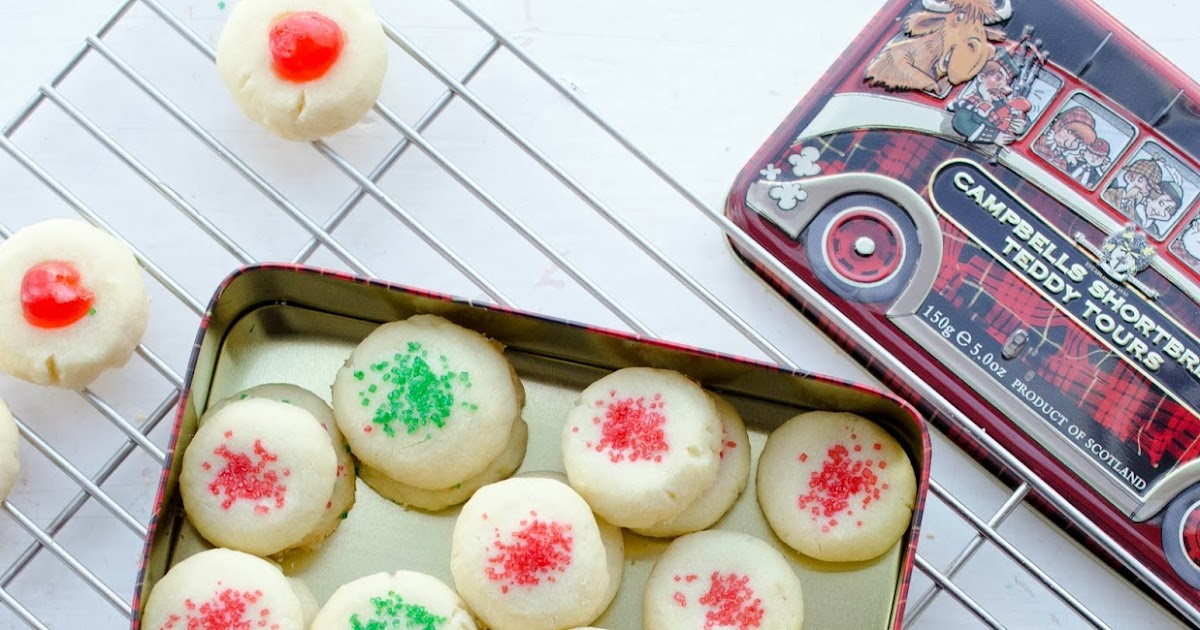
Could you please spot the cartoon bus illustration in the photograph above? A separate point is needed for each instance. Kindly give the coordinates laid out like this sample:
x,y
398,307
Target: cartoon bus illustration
x,y
1004,193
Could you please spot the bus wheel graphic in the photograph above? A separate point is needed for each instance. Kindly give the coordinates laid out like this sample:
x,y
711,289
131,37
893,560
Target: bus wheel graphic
x,y
1181,535
863,246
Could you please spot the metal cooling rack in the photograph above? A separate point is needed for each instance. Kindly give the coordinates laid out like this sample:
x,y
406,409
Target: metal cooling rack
x,y
53,545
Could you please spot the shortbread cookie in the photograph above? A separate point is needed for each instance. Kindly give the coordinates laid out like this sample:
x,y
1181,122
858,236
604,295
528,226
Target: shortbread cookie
x,y
257,476
527,554
722,579
836,486
433,500
405,600
222,588
612,537
72,303
10,463
641,445
342,500
426,402
732,476
304,69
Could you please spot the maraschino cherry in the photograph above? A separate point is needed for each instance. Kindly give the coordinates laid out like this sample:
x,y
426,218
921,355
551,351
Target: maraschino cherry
x,y
304,46
52,295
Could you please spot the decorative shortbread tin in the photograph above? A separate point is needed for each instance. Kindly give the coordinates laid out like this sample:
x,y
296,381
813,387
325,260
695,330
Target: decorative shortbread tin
x,y
994,204
298,325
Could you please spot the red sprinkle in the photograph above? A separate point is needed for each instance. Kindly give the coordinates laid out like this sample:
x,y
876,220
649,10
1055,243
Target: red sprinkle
x,y
248,478
304,46
840,480
227,610
633,429
538,550
52,296
731,603
803,457
680,599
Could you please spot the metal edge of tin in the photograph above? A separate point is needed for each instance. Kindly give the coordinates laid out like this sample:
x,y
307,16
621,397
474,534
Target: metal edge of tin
x,y
251,288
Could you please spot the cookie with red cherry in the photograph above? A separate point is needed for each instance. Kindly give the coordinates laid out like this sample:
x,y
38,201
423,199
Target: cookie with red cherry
x,y
73,303
303,69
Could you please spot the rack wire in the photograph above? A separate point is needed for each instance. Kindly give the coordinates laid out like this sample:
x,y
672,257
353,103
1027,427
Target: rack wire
x,y
141,436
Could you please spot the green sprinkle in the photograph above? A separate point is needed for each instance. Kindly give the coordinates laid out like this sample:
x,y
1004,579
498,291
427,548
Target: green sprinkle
x,y
344,515
91,312
286,401
243,397
415,395
221,6
458,486
391,611
358,374
366,402
347,448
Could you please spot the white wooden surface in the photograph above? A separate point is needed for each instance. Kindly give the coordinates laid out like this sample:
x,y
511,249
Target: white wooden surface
x,y
698,84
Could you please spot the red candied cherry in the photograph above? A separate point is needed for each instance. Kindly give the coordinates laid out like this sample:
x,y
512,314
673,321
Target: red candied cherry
x,y
304,46
52,296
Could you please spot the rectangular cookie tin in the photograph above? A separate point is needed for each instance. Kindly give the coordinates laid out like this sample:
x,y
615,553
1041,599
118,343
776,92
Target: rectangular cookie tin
x,y
298,325
995,205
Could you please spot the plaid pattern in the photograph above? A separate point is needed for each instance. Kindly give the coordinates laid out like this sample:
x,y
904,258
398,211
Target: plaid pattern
x,y
1061,352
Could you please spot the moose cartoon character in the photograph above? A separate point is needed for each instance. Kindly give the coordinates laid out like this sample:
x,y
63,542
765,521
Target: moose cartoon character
x,y
946,45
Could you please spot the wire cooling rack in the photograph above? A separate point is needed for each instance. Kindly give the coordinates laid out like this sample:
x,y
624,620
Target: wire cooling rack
x,y
149,148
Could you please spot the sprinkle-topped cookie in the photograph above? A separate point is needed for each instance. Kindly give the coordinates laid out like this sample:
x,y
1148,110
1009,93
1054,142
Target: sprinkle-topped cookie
x,y
732,475
641,445
722,580
406,600
836,486
72,303
258,476
223,589
527,554
427,403
339,505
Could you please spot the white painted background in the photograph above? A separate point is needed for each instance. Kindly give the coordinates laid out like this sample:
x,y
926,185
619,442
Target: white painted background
x,y
698,84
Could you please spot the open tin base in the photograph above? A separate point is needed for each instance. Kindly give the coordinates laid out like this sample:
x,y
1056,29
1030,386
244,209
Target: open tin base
x,y
298,325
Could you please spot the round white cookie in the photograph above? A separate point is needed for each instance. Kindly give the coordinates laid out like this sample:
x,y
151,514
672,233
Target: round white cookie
x,y
405,600
222,588
433,500
732,476
722,579
257,476
610,535
426,402
527,554
641,445
284,68
836,486
72,303
10,463
342,500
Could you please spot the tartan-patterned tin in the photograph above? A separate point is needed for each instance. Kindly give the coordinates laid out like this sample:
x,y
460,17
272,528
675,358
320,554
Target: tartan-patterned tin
x,y
1002,194
267,319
